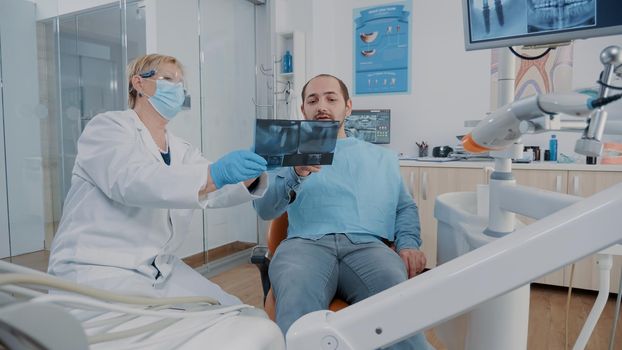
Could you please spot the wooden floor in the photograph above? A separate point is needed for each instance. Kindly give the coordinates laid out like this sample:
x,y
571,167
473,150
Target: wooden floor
x,y
36,260
546,312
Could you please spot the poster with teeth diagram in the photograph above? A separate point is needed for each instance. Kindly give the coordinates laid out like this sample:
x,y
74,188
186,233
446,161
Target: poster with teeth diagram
x,y
381,49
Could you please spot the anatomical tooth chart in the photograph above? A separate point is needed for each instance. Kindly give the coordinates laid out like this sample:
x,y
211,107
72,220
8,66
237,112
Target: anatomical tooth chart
x,y
381,54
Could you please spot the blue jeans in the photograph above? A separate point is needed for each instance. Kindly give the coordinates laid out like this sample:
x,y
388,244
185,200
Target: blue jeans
x,y
306,274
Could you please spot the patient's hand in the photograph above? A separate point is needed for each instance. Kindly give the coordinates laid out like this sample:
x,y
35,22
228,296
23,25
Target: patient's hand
x,y
306,170
414,260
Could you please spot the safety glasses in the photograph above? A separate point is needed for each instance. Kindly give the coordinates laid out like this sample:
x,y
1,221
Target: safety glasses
x,y
162,75
167,76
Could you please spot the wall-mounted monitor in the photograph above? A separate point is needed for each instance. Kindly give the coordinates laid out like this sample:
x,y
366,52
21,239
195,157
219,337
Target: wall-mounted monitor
x,y
371,125
503,23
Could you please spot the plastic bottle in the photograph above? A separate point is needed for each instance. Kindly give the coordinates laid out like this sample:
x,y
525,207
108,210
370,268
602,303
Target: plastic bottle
x,y
287,62
553,148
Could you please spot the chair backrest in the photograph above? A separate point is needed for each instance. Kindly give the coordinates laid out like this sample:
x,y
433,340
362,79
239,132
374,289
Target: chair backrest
x,y
277,232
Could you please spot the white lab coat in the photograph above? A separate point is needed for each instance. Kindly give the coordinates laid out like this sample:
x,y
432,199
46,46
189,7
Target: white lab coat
x,y
127,211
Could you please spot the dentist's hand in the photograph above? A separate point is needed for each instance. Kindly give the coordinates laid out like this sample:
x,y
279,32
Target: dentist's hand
x,y
235,167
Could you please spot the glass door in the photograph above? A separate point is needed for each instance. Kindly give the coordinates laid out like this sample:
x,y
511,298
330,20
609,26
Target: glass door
x,y
61,71
93,59
21,211
5,242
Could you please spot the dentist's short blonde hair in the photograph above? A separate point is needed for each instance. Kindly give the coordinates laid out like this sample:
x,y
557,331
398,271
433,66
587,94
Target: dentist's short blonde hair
x,y
144,64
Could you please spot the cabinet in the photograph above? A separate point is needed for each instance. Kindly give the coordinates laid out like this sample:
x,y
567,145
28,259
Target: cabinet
x,y
551,180
585,184
577,183
426,181
288,85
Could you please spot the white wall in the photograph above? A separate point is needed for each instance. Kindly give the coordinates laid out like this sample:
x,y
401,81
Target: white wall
x,y
228,76
176,35
448,85
221,85
52,8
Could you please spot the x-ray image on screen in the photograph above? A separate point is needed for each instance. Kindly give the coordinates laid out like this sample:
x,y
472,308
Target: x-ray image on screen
x,y
543,15
507,23
371,125
296,142
497,18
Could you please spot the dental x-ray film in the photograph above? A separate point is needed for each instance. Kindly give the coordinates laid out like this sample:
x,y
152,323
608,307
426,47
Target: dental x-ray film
x,y
295,142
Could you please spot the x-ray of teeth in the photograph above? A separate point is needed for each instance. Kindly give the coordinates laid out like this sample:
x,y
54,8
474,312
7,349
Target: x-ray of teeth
x,y
499,11
486,15
490,19
296,142
314,136
560,14
276,138
503,23
372,125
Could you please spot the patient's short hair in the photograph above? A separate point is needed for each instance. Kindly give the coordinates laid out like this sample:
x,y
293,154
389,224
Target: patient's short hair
x,y
342,86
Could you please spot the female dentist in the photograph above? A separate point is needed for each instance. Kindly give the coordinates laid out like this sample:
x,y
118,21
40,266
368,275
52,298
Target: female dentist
x,y
134,189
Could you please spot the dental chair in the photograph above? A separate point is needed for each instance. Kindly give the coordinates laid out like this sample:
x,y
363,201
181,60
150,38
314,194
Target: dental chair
x,y
77,317
261,257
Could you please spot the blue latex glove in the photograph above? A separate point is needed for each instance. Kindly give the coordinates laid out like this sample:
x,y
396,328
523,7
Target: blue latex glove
x,y
236,167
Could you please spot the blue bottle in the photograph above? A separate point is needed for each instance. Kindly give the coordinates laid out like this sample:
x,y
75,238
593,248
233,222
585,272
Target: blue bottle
x,y
287,63
553,148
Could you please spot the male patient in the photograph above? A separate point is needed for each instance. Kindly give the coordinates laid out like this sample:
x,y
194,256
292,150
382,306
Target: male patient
x,y
340,218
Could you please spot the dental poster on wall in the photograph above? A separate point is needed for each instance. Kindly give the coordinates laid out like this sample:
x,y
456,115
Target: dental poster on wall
x,y
381,54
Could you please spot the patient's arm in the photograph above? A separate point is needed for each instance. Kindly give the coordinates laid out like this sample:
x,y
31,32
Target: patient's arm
x,y
408,234
407,227
282,191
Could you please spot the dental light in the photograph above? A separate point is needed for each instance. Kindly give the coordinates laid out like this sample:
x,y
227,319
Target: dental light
x,y
590,143
503,127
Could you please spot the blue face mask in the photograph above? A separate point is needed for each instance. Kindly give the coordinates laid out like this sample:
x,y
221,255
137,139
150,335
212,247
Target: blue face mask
x,y
168,98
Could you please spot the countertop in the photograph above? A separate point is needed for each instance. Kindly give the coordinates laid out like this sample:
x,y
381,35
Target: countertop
x,y
541,165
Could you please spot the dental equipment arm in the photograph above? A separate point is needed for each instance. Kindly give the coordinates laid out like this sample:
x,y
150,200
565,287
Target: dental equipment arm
x,y
583,227
503,127
455,287
506,125
590,143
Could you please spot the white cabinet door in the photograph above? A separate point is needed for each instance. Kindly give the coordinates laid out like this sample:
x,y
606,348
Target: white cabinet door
x,y
436,181
552,180
410,175
585,184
